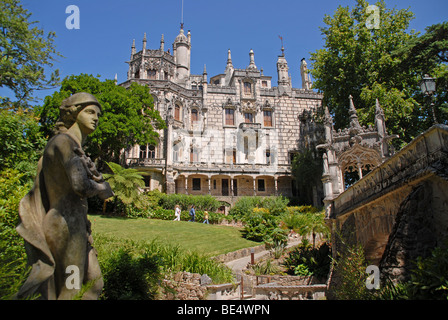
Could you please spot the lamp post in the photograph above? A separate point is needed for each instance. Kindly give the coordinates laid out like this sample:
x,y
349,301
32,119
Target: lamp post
x,y
428,87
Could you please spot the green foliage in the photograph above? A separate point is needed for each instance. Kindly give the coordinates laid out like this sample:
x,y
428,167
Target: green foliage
x,y
201,202
361,62
245,205
305,220
306,260
13,268
130,277
350,274
307,170
22,143
128,115
429,280
125,184
262,226
26,53
168,259
265,268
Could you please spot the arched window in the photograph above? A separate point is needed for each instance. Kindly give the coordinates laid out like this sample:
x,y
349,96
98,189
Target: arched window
x,y
230,117
152,74
194,115
177,112
247,88
267,117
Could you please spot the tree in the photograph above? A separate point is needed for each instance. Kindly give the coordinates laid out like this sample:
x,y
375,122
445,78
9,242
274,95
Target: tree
x,y
307,170
125,183
128,115
428,54
359,61
25,54
21,142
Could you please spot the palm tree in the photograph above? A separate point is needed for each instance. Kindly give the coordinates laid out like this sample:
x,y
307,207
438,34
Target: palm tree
x,y
125,183
311,223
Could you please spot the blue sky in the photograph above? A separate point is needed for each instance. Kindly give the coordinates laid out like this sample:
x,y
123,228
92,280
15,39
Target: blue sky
x,y
102,45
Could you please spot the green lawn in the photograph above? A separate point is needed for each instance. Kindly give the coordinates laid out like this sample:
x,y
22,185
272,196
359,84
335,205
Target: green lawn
x,y
202,238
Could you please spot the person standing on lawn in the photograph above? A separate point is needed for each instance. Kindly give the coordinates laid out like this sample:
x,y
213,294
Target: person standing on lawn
x,y
177,213
192,214
205,217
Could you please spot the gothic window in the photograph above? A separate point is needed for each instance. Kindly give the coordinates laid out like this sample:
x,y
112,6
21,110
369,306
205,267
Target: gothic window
x,y
194,155
152,74
230,116
177,112
248,117
194,116
247,88
151,152
267,116
143,152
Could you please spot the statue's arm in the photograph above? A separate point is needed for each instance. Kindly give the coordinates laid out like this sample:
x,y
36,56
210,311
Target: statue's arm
x,y
77,174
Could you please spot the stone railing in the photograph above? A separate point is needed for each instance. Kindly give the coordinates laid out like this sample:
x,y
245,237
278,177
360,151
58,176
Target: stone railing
x,y
422,156
137,162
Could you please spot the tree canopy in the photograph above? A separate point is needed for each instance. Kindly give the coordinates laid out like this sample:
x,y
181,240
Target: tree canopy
x,y
25,53
128,115
361,61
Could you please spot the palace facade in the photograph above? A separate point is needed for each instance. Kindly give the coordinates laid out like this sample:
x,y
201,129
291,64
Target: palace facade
x,y
229,135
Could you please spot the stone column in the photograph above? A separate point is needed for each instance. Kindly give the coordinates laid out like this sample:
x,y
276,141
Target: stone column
x,y
255,188
186,184
276,185
209,178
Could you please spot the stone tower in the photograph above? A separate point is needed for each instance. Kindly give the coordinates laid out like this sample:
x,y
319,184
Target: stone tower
x,y
182,52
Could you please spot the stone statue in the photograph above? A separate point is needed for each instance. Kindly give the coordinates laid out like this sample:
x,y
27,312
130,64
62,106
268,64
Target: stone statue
x,y
53,215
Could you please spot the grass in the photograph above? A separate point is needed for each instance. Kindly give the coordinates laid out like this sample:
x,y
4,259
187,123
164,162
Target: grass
x,y
205,239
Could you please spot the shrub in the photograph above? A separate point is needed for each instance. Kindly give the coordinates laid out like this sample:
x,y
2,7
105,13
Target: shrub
x,y
245,205
306,260
262,226
130,277
201,202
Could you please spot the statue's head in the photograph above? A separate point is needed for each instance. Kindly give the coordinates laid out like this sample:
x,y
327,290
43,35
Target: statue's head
x,y
71,107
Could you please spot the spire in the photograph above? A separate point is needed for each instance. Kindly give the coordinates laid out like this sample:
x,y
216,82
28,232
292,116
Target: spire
x,y
229,59
144,43
380,122
354,123
162,43
204,75
133,51
306,82
252,60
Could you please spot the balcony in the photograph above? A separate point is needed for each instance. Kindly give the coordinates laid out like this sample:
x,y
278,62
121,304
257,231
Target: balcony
x,y
249,125
146,162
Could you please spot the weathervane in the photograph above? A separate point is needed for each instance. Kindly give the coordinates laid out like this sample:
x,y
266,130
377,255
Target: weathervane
x,y
281,39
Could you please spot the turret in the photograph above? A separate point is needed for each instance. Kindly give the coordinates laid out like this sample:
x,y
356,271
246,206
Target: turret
x,y
306,82
252,60
181,52
229,69
284,81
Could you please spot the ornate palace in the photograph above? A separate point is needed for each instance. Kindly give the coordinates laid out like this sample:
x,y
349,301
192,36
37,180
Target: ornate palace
x,y
229,135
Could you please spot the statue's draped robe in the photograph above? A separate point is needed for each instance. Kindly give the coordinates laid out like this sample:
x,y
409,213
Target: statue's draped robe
x,y
44,278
